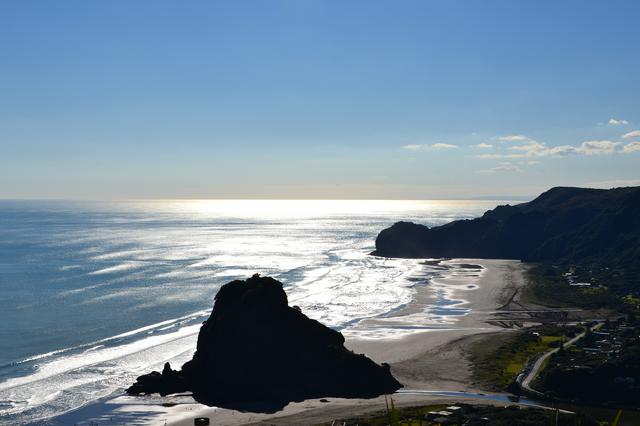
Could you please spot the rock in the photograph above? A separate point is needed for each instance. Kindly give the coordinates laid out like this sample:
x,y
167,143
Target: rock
x,y
565,225
258,354
170,381
165,383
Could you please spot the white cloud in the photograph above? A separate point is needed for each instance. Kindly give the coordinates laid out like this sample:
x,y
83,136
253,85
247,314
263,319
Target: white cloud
x,y
598,147
435,146
632,134
617,122
559,150
528,149
494,156
502,167
443,146
514,138
532,148
537,149
631,147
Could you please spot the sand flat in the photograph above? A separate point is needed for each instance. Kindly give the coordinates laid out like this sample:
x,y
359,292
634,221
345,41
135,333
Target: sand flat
x,y
426,351
432,359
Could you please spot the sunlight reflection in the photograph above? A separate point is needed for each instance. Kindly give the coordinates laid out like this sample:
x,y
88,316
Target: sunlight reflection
x,y
274,209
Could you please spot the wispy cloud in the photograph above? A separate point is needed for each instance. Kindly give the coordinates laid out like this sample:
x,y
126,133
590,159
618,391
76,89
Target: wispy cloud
x,y
631,147
443,146
532,148
502,167
514,138
632,134
495,155
598,147
617,122
412,147
434,146
484,145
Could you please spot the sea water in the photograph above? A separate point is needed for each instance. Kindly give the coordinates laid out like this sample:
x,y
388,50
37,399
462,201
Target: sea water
x,y
92,294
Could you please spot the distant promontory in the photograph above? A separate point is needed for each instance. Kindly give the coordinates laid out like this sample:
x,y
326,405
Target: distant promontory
x,y
256,353
566,225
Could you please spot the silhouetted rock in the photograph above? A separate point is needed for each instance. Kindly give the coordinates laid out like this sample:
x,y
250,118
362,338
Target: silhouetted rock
x,y
567,225
170,381
257,353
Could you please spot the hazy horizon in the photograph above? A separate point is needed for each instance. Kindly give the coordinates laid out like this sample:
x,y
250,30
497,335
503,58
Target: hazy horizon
x,y
471,197
477,198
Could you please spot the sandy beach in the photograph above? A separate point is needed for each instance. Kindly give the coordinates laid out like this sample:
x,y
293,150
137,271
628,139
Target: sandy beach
x,y
430,359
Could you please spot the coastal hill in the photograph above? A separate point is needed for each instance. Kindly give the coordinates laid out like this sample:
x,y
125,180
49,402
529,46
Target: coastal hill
x,y
256,353
563,225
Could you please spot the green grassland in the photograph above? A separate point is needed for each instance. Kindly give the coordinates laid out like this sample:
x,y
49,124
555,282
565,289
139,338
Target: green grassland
x,y
496,367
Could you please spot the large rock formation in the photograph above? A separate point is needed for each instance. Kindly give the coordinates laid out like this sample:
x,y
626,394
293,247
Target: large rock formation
x,y
570,225
257,353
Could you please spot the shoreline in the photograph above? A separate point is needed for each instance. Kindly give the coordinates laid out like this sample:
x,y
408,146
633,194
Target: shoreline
x,y
432,359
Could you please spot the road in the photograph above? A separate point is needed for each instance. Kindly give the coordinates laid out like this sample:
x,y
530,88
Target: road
x,y
526,382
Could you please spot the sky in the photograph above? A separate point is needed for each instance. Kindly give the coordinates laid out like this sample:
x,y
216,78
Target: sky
x,y
317,99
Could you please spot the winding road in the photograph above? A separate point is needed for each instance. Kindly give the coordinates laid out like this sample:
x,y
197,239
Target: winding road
x,y
526,382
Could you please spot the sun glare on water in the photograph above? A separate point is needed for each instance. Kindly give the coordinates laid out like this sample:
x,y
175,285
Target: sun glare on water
x,y
284,209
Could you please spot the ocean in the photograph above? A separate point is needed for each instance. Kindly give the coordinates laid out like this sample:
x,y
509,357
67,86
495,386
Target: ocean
x,y
93,294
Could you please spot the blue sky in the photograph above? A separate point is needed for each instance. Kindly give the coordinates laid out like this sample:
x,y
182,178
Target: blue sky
x,y
316,99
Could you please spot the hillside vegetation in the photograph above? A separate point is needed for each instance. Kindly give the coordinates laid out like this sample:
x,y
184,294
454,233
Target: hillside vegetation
x,y
597,229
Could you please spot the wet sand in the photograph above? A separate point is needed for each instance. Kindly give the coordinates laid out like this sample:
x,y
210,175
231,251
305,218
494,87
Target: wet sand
x,y
498,282
429,360
427,352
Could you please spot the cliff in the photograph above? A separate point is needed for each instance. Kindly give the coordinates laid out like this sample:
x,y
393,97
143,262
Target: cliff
x,y
257,353
565,225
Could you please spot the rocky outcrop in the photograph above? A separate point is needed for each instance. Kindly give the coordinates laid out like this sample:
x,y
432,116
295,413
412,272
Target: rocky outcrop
x,y
566,225
165,383
257,353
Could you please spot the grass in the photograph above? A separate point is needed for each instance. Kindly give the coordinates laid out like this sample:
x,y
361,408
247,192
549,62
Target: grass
x,y
631,300
548,287
498,366
499,416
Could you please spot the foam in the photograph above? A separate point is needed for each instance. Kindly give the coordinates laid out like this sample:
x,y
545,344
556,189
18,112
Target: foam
x,y
124,266
159,326
172,254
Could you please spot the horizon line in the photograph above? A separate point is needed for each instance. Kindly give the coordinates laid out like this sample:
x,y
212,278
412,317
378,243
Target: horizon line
x,y
139,199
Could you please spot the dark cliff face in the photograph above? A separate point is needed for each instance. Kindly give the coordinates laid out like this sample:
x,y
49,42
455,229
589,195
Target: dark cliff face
x,y
562,224
257,353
